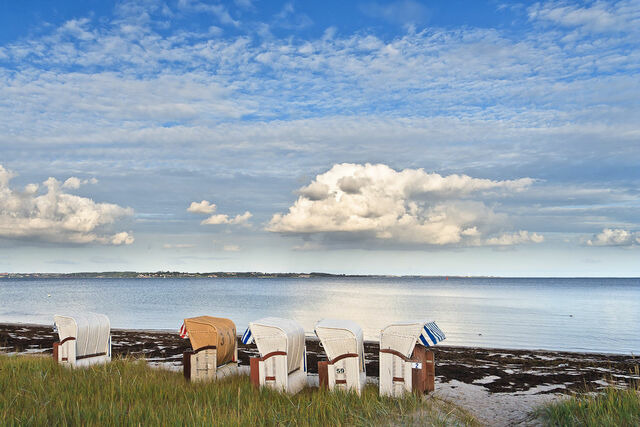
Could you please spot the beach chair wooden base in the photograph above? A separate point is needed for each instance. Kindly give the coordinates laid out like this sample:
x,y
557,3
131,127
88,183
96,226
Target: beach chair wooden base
x,y
323,375
201,366
422,370
333,375
275,376
415,374
56,348
282,364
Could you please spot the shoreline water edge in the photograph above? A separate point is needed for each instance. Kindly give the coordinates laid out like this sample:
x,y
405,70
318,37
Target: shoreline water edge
x,y
511,370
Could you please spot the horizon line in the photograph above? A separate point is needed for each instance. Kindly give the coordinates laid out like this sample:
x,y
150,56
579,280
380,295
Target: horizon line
x,y
312,273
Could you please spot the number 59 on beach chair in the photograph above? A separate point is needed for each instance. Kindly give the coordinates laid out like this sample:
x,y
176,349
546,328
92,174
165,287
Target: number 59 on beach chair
x,y
282,364
405,366
85,339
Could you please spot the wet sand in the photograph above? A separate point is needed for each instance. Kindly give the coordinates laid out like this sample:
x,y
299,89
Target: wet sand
x,y
499,386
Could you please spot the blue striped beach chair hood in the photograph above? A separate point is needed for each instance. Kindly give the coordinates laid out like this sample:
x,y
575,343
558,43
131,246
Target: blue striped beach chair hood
x,y
403,336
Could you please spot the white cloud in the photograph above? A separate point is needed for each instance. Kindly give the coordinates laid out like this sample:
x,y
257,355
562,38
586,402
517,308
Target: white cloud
x,y
289,19
243,218
78,28
31,188
615,237
509,239
217,10
231,248
225,219
5,177
216,219
203,207
408,206
74,183
56,216
599,16
122,238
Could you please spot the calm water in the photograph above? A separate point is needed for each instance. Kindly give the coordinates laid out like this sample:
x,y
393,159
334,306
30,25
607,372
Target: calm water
x,y
600,315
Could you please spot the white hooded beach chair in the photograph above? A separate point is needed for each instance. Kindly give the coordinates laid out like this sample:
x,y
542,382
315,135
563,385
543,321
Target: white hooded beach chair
x,y
405,366
85,339
282,364
214,344
343,341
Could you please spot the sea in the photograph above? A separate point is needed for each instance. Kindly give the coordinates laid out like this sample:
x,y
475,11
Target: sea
x,y
581,314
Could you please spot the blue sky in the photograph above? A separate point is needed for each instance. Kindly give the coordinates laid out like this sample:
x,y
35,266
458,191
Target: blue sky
x,y
401,137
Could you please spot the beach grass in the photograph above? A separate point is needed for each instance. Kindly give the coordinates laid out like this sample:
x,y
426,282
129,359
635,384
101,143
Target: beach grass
x,y
35,390
611,407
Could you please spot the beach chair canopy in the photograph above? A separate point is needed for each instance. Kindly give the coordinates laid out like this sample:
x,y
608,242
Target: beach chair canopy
x,y
218,332
91,331
276,334
341,337
403,336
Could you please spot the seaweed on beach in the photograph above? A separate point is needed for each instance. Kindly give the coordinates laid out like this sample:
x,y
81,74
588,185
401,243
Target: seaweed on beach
x,y
497,371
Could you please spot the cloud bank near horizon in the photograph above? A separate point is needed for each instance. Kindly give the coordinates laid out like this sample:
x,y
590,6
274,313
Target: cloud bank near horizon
x,y
407,206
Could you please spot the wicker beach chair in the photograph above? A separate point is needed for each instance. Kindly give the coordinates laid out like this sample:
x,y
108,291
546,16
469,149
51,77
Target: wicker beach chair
x,y
282,364
214,348
85,339
405,363
343,342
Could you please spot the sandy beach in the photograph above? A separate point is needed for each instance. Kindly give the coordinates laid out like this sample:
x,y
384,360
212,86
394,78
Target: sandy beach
x,y
498,386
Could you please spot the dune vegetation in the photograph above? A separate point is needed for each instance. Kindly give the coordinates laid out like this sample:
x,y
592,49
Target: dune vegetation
x,y
35,390
610,407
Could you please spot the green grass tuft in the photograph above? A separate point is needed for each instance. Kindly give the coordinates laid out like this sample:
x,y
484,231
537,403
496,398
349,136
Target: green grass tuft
x,y
34,390
611,407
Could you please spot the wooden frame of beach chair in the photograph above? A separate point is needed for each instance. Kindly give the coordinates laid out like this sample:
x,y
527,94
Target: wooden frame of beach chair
x,y
406,365
343,341
85,339
214,353
400,374
282,364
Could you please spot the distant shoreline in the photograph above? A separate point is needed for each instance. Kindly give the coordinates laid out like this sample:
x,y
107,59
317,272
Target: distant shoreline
x,y
257,275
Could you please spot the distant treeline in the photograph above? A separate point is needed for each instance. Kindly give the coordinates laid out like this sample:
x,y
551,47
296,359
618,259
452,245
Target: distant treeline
x,y
169,274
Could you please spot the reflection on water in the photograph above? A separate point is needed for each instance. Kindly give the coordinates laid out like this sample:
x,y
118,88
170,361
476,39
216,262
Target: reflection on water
x,y
600,315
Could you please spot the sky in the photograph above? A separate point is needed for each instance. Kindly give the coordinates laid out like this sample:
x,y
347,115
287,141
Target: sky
x,y
385,137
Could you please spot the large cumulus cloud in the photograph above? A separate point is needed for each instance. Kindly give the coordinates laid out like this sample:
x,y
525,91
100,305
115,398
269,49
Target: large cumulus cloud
x,y
408,206
50,214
